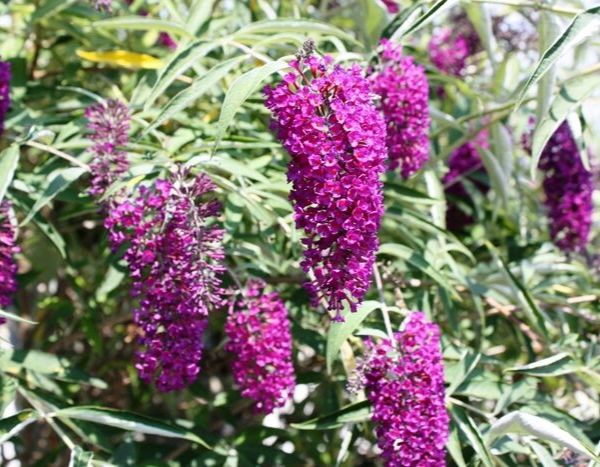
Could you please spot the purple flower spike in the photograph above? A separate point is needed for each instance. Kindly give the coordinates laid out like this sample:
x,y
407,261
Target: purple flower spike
x,y
449,51
404,91
259,336
109,123
175,259
8,250
568,186
5,75
325,118
404,382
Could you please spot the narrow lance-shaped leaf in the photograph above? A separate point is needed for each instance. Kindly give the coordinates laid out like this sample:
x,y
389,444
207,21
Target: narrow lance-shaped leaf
x,y
528,424
58,182
129,421
241,89
582,25
10,426
570,96
353,413
9,158
139,23
193,92
339,332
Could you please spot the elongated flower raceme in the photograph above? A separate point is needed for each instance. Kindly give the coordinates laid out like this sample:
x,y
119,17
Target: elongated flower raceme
x,y
568,187
404,381
5,75
403,89
324,117
8,250
108,122
175,258
464,163
258,330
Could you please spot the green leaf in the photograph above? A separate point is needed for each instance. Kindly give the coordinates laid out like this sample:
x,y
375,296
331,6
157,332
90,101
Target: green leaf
x,y
502,145
193,92
179,64
569,97
50,8
529,306
458,373
14,360
424,19
583,24
542,454
527,424
8,388
200,12
418,261
469,429
549,29
129,421
58,181
353,413
10,426
481,19
9,158
339,332
139,23
241,89
80,458
560,364
292,25
498,180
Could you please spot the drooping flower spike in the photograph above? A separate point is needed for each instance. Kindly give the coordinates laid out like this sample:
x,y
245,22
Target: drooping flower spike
x,y
108,122
391,5
404,381
5,75
403,90
568,187
325,118
8,250
175,257
259,338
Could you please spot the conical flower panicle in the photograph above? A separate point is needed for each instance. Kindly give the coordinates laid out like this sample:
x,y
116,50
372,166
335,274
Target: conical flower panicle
x,y
258,329
8,250
403,89
404,381
325,118
175,258
108,122
568,187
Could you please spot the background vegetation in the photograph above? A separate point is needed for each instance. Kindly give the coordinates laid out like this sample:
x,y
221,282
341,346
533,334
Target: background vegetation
x,y
520,319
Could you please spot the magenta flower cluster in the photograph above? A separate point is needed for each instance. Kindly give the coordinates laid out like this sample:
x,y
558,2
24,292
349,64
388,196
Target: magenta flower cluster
x,y
175,258
5,75
403,89
326,120
449,52
108,122
464,163
568,187
258,329
8,250
404,381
